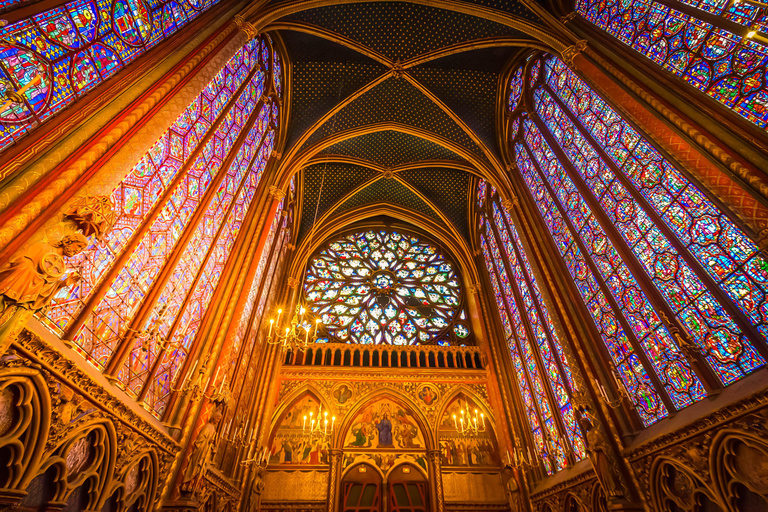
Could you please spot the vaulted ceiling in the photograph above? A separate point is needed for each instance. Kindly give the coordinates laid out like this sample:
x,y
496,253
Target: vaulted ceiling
x,y
396,103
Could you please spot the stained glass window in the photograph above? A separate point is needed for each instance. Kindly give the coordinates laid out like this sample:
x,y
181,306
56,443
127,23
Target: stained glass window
x,y
386,287
208,166
175,165
649,253
531,339
724,65
52,58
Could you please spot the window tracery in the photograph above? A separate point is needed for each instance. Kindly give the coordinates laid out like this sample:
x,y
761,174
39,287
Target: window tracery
x,y
543,374
150,281
674,287
52,58
726,66
387,287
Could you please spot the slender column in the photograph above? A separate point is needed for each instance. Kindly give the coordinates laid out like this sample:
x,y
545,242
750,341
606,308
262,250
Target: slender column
x,y
554,406
138,322
581,356
437,503
18,224
722,185
738,316
141,316
334,479
215,320
660,389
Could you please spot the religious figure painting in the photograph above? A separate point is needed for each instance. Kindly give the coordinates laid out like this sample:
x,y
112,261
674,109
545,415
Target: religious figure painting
x,y
384,425
459,450
289,445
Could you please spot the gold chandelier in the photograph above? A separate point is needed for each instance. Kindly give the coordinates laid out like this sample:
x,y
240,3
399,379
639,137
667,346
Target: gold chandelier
x,y
468,423
318,427
296,335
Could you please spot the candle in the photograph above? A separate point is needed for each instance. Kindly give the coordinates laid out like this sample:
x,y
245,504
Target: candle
x,y
317,323
279,312
482,417
306,337
304,426
333,421
271,324
456,425
325,429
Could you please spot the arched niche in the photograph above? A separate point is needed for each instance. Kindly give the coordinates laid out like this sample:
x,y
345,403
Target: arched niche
x,y
384,431
459,451
287,445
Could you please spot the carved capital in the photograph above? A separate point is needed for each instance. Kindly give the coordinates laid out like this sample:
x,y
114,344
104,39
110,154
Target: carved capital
x,y
276,155
509,204
568,17
293,283
572,51
245,26
276,192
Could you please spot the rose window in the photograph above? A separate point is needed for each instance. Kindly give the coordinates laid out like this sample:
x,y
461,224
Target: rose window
x,y
386,287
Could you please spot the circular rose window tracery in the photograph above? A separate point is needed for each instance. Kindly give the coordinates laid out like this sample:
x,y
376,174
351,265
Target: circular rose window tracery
x,y
386,287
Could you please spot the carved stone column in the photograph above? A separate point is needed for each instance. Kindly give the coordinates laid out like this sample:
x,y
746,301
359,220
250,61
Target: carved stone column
x,y
334,478
436,481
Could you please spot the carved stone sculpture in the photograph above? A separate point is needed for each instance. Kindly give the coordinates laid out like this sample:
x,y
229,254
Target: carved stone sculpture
x,y
597,451
29,282
202,452
92,215
256,489
512,488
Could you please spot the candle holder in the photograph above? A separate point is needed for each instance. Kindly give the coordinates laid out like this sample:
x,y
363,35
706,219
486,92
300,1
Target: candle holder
x,y
295,335
468,423
318,427
614,404
518,459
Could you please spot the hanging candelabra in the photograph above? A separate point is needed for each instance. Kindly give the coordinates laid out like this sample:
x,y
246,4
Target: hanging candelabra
x,y
468,423
317,427
295,335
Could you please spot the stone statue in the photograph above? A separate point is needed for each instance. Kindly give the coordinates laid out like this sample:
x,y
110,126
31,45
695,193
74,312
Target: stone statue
x,y
202,452
512,488
597,451
257,487
31,280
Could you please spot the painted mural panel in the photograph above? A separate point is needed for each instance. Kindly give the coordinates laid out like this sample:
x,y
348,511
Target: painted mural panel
x,y
461,450
289,444
384,425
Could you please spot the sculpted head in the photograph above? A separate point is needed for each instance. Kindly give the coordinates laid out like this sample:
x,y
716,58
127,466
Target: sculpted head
x,y
72,244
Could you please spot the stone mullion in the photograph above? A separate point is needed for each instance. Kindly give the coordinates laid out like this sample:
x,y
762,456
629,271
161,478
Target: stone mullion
x,y
699,365
157,287
553,404
650,370
506,375
738,317
209,254
22,222
526,376
101,289
587,358
712,161
211,334
548,328
245,364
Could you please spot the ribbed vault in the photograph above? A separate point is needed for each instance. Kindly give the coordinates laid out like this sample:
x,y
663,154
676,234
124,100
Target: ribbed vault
x,y
396,103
